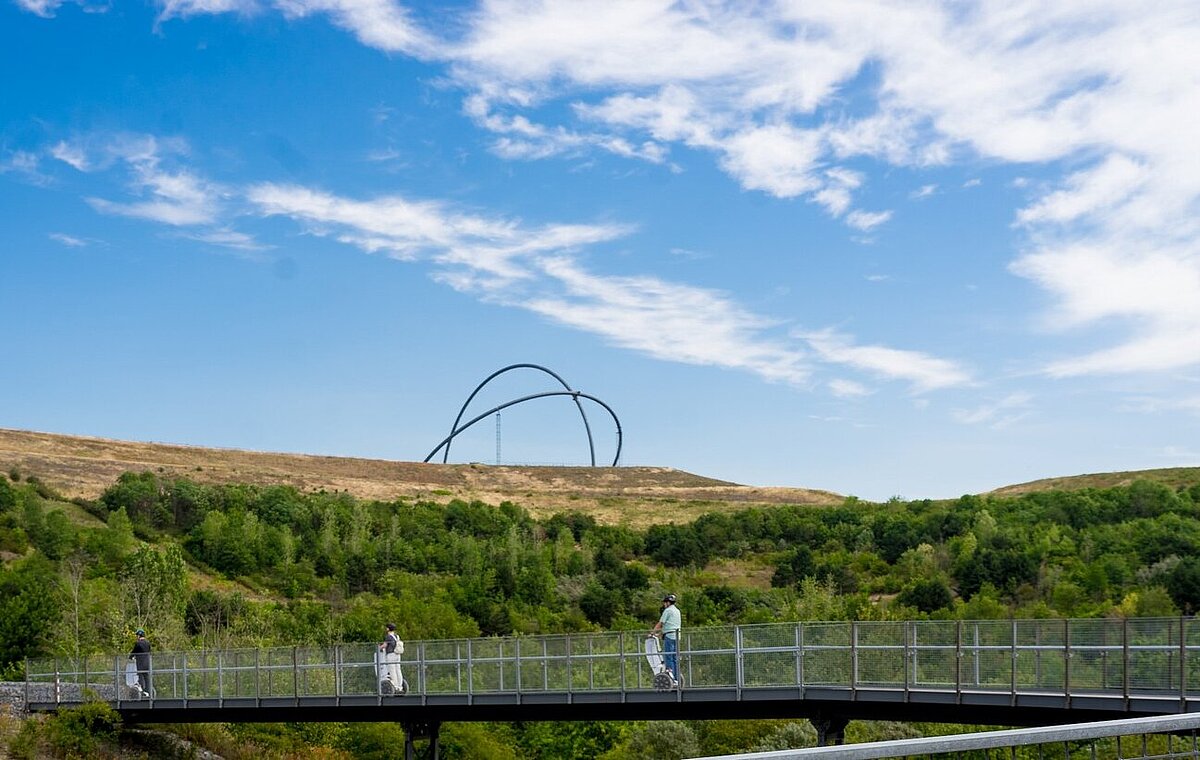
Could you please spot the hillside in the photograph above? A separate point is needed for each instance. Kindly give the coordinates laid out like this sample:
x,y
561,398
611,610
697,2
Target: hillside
x,y
1173,477
81,466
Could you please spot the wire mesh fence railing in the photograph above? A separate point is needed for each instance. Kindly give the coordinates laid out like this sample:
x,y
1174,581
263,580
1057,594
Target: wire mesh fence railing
x,y
1157,657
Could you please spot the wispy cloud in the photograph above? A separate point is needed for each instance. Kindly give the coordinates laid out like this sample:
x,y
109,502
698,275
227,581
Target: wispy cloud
x,y
71,154
168,194
68,240
531,267
924,191
228,238
867,220
25,164
43,8
998,414
923,371
848,388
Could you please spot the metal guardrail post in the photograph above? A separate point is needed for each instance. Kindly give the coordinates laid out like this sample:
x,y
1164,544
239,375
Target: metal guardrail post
x,y
739,665
621,647
57,684
853,658
545,668
1013,643
220,678
117,681
458,665
185,678
799,657
1182,665
905,656
679,654
958,655
296,675
975,628
1125,660
257,678
27,674
570,672
337,671
470,674
1067,661
517,665
914,653
422,680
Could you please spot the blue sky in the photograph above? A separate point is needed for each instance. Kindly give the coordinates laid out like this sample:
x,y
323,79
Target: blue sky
x,y
881,248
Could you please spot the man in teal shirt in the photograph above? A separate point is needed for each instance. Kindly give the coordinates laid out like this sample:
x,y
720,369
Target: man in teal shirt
x,y
669,624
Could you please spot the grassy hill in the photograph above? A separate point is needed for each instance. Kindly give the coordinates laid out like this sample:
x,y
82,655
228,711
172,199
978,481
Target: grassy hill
x,y
1173,477
637,496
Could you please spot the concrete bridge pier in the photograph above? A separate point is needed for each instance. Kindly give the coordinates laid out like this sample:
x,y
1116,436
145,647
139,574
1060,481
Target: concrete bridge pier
x,y
425,731
831,729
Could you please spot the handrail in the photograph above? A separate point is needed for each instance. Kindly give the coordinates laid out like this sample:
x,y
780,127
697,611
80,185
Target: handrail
x,y
1123,659
985,740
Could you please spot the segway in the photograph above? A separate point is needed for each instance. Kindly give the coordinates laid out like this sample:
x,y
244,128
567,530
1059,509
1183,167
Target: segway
x,y
132,682
664,679
391,680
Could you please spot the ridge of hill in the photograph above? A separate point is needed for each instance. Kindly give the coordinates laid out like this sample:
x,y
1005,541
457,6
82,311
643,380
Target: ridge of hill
x,y
79,466
1170,476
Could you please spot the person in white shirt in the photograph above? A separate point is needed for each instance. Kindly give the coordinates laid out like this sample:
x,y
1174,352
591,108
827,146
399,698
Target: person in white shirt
x,y
392,647
668,625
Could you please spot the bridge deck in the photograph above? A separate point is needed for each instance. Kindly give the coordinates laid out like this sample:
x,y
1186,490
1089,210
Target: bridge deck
x,y
1025,672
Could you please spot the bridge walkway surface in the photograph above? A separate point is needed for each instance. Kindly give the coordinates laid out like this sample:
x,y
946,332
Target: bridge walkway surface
x,y
994,672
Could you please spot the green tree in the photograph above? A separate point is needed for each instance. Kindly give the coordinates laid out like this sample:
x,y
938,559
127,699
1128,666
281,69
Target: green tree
x,y
30,608
926,596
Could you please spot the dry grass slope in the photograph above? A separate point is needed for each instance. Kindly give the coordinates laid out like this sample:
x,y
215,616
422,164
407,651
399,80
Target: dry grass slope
x,y
79,466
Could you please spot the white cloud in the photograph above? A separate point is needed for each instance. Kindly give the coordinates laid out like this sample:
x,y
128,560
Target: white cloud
x,y
925,372
43,8
71,154
973,182
531,268
667,321
24,164
184,8
171,196
848,388
228,238
867,220
381,24
924,191
68,240
997,414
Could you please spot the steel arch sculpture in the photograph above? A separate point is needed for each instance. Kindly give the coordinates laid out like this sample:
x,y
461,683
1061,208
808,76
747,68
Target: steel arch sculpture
x,y
547,394
454,428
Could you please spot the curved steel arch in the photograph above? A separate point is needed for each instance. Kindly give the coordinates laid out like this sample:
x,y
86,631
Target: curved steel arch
x,y
454,428
577,394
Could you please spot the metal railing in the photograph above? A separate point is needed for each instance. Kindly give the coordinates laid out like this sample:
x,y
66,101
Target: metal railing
x,y
1157,658
1159,737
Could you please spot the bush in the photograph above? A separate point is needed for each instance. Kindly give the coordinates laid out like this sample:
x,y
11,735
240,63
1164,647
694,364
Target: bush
x,y
81,731
926,596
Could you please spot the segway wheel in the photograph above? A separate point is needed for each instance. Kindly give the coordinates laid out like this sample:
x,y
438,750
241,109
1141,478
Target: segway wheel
x,y
386,688
663,681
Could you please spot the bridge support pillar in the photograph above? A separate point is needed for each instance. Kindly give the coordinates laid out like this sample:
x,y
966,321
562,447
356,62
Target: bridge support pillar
x,y
415,731
831,730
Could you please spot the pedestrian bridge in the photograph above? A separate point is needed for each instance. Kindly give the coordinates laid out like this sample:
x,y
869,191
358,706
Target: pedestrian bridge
x,y
998,672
